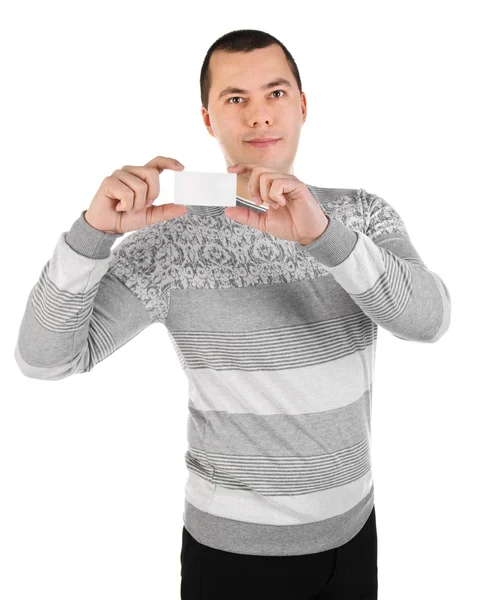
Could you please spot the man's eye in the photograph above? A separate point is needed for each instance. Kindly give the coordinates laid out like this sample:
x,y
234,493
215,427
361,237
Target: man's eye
x,y
233,97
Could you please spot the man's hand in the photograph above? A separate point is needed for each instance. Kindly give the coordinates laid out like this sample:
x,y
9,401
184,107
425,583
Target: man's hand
x,y
298,218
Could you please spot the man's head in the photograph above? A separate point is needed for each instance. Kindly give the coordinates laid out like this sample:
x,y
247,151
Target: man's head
x,y
244,61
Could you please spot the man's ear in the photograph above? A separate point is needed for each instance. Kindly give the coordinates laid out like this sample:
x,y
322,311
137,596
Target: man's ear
x,y
206,119
303,107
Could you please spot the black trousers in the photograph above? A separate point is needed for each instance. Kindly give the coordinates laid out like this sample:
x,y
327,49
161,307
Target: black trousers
x,y
349,572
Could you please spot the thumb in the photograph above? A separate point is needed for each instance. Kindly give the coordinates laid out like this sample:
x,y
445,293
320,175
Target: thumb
x,y
242,214
164,212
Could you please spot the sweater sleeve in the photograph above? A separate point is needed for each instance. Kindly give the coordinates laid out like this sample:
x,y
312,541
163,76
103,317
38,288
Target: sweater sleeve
x,y
383,273
87,303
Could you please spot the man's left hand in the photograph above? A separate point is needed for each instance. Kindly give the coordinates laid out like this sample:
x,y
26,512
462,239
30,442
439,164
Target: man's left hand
x,y
298,218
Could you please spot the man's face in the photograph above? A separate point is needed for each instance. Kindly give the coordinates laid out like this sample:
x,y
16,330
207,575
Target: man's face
x,y
235,117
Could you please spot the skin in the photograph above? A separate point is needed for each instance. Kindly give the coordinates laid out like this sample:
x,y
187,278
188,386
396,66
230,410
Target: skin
x,y
234,118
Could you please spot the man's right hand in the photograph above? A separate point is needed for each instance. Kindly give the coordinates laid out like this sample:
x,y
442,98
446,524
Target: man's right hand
x,y
124,201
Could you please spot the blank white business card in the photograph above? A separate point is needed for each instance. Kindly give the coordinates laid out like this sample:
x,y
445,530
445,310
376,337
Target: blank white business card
x,y
205,189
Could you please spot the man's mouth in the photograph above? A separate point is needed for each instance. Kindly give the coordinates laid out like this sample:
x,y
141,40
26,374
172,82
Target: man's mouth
x,y
264,143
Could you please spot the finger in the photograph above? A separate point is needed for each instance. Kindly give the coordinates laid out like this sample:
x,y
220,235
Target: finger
x,y
151,176
268,187
159,163
138,186
116,190
149,173
265,183
276,192
242,167
253,184
256,186
164,162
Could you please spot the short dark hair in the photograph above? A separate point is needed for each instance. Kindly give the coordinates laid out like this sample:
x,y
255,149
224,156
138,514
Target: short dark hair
x,y
241,40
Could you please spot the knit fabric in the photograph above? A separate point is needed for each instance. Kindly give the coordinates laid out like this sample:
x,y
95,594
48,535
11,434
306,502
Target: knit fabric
x,y
277,341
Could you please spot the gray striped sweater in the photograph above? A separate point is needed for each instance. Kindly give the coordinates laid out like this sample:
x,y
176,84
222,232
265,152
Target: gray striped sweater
x,y
277,340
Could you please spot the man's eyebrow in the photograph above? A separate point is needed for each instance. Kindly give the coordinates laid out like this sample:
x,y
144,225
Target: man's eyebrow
x,y
236,90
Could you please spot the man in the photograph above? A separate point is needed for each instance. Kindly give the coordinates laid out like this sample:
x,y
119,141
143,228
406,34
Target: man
x,y
274,317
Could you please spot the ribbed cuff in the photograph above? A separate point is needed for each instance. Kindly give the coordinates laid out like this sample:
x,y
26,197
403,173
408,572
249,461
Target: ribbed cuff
x,y
85,239
334,245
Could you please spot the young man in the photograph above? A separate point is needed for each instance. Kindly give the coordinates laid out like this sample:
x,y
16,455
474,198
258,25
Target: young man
x,y
274,317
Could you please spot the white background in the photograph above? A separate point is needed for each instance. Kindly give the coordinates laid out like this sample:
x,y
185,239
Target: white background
x,y
92,468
